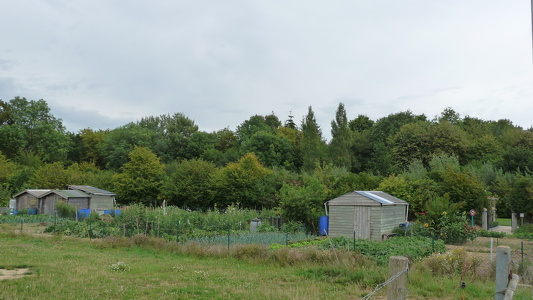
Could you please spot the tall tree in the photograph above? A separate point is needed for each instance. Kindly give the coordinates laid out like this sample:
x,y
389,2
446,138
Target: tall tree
x,y
361,123
271,149
312,146
339,147
30,127
188,183
140,179
410,143
245,182
119,142
255,124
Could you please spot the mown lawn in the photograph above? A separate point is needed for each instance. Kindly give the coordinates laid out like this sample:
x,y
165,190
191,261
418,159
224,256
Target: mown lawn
x,y
73,268
503,221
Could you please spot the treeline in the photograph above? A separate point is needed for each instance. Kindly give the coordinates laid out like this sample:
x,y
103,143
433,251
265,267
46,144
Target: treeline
x,y
448,163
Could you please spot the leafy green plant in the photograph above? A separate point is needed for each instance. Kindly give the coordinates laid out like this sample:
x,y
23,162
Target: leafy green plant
x,y
65,210
488,233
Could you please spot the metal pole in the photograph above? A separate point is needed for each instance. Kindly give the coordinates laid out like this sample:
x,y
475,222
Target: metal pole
x,y
522,249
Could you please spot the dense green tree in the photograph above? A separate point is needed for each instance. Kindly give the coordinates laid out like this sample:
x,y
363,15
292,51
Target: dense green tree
x,y
313,145
446,138
4,113
246,183
30,127
389,125
199,143
521,196
339,147
361,123
170,135
140,179
271,149
465,189
417,192
50,176
119,142
517,159
410,143
303,202
253,125
382,161
188,184
7,170
449,115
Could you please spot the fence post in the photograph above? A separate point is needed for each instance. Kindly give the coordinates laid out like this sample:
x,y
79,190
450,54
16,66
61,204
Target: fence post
x,y
398,287
229,229
503,255
354,240
21,222
177,231
90,229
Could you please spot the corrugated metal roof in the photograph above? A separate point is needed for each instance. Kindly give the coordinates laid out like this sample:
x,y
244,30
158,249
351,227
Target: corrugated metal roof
x,y
376,196
90,190
381,197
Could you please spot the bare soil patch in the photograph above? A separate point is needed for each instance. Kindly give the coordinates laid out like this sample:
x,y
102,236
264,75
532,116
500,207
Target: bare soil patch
x,y
6,274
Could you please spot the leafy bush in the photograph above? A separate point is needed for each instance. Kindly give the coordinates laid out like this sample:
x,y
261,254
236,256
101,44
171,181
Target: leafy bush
x,y
524,232
66,210
488,233
455,262
451,228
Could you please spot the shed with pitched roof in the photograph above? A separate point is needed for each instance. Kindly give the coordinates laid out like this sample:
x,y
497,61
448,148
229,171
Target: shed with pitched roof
x,y
366,215
48,201
28,199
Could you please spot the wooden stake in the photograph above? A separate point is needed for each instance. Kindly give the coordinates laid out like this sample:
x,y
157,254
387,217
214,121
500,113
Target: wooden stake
x,y
397,289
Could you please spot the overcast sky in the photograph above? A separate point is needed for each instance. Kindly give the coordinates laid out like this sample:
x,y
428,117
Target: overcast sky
x,y
103,63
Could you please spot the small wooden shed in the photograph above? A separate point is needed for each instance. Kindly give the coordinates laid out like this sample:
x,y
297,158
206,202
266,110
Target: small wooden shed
x,y
101,200
28,199
48,201
366,215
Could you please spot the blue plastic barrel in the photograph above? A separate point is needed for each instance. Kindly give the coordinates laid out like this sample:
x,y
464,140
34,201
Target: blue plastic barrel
x,y
32,211
83,213
323,225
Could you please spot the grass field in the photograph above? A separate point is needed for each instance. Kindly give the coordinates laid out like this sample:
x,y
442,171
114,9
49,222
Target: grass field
x,y
503,221
73,268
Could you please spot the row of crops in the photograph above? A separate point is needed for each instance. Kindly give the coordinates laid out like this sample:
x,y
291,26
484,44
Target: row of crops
x,y
172,223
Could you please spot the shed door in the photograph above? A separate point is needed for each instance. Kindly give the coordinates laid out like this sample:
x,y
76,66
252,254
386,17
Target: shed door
x,y
361,223
49,205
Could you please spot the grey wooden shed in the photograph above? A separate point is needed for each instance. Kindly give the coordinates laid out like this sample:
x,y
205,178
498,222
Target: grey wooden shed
x,y
28,199
101,200
48,201
366,215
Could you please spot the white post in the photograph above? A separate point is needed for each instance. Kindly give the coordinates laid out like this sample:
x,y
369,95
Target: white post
x,y
491,246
